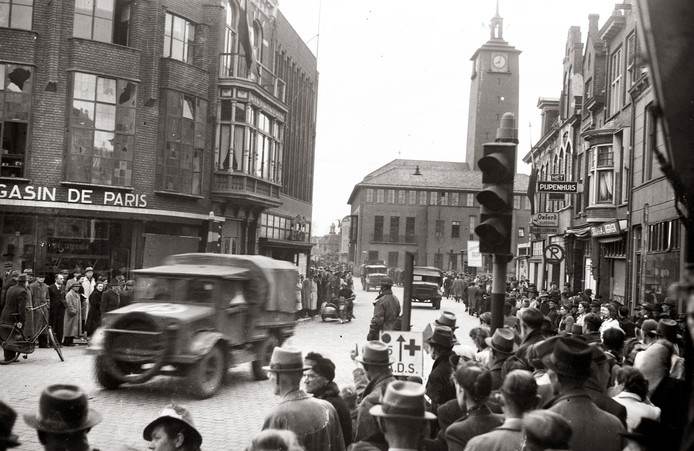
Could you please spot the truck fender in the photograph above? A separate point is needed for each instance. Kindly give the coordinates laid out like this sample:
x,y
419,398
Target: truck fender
x,y
203,342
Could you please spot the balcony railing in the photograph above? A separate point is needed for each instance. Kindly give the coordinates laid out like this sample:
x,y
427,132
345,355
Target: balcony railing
x,y
393,239
244,186
234,65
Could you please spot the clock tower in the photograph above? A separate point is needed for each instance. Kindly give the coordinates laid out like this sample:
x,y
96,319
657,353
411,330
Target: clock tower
x,y
493,90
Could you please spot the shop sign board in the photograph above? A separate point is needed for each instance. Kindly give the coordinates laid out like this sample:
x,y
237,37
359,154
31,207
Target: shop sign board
x,y
556,177
73,195
544,230
474,258
608,228
406,351
548,186
545,219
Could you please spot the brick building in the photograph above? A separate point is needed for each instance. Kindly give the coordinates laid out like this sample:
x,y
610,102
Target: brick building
x,y
127,126
432,214
621,232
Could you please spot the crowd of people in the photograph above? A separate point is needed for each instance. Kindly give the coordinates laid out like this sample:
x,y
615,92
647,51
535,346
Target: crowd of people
x,y
72,303
323,284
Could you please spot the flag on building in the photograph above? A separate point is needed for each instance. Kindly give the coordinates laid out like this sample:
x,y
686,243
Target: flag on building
x,y
245,39
532,187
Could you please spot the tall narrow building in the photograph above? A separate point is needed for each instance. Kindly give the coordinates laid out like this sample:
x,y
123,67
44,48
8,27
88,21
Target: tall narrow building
x,y
493,90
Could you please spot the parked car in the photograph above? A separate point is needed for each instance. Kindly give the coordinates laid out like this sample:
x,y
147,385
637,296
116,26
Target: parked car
x,y
195,316
374,275
426,285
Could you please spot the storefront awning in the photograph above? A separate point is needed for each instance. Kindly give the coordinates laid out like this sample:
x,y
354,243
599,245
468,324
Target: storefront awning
x,y
611,239
285,244
579,232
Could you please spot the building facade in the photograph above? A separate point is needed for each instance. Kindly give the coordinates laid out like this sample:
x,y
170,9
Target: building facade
x,y
128,127
432,214
493,89
620,232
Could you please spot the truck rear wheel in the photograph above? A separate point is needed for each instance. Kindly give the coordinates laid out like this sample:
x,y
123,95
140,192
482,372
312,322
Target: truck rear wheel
x,y
207,375
103,375
265,353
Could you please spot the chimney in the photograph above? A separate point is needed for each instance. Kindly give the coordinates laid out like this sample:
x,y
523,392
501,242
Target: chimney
x,y
593,23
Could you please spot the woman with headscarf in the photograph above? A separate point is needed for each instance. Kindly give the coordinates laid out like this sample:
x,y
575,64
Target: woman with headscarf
x,y
94,315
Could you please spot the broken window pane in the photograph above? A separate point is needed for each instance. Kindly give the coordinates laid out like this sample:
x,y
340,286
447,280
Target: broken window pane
x,y
81,141
82,113
127,93
18,79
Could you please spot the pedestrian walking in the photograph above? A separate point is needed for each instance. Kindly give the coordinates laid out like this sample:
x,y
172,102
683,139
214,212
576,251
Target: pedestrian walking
x,y
314,421
72,323
64,419
7,419
40,300
458,288
57,307
173,430
386,311
94,315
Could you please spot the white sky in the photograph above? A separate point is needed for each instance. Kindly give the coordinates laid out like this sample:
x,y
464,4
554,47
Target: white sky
x,y
395,79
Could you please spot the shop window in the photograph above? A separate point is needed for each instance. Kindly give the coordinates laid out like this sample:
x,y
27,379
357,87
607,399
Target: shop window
x,y
179,38
392,259
15,107
455,229
409,229
102,130
16,14
180,162
102,20
378,228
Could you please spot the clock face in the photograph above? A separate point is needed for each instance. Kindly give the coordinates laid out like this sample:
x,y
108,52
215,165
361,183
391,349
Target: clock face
x,y
499,61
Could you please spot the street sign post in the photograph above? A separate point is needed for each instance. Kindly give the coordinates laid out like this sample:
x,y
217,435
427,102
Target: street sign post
x,y
554,254
406,349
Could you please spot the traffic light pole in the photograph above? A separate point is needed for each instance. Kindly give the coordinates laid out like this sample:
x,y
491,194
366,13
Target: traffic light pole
x,y
407,292
498,290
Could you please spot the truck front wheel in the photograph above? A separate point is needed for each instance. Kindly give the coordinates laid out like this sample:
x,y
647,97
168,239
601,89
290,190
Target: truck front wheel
x,y
207,376
104,376
264,355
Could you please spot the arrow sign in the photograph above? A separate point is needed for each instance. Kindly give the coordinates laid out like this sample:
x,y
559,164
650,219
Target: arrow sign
x,y
406,349
400,340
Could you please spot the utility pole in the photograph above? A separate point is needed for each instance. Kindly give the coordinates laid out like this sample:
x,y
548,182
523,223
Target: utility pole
x,y
498,167
407,292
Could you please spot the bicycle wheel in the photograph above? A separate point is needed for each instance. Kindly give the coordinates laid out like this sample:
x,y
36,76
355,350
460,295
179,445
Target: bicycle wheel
x,y
54,344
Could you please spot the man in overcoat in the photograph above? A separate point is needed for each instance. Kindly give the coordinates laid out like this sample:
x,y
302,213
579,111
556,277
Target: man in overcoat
x,y
57,306
376,362
15,308
39,296
314,421
386,311
439,386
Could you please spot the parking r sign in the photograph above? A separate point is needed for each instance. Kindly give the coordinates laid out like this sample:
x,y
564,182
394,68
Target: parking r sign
x,y
407,352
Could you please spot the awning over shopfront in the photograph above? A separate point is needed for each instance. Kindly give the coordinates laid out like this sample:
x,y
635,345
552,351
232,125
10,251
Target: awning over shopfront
x,y
579,232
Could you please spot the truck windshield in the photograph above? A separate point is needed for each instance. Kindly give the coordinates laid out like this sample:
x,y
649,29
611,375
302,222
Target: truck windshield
x,y
423,278
376,270
170,289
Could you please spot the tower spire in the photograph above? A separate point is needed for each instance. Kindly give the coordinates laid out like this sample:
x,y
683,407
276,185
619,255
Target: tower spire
x,y
496,27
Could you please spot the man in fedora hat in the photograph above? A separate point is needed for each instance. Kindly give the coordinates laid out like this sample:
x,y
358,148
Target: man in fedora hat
x,y
402,415
445,319
15,309
173,430
503,345
386,311
570,368
64,419
7,418
439,386
314,421
376,362
518,396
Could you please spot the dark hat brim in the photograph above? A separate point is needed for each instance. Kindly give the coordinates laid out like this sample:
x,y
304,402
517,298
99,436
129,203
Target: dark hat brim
x,y
490,343
93,418
377,411
147,432
448,344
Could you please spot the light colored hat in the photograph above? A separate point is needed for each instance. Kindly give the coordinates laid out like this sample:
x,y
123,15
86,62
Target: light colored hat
x,y
375,352
178,414
403,399
286,360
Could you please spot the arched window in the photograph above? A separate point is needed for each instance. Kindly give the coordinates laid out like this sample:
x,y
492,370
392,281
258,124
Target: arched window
x,y
226,67
560,164
257,40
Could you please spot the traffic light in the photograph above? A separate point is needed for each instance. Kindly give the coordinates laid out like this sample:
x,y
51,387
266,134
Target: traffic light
x,y
214,236
498,167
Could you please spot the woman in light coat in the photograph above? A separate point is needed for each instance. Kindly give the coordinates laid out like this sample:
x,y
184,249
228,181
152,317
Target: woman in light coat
x,y
72,324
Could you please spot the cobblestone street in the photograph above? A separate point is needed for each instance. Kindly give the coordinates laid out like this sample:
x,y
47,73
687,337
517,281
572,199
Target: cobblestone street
x,y
228,420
